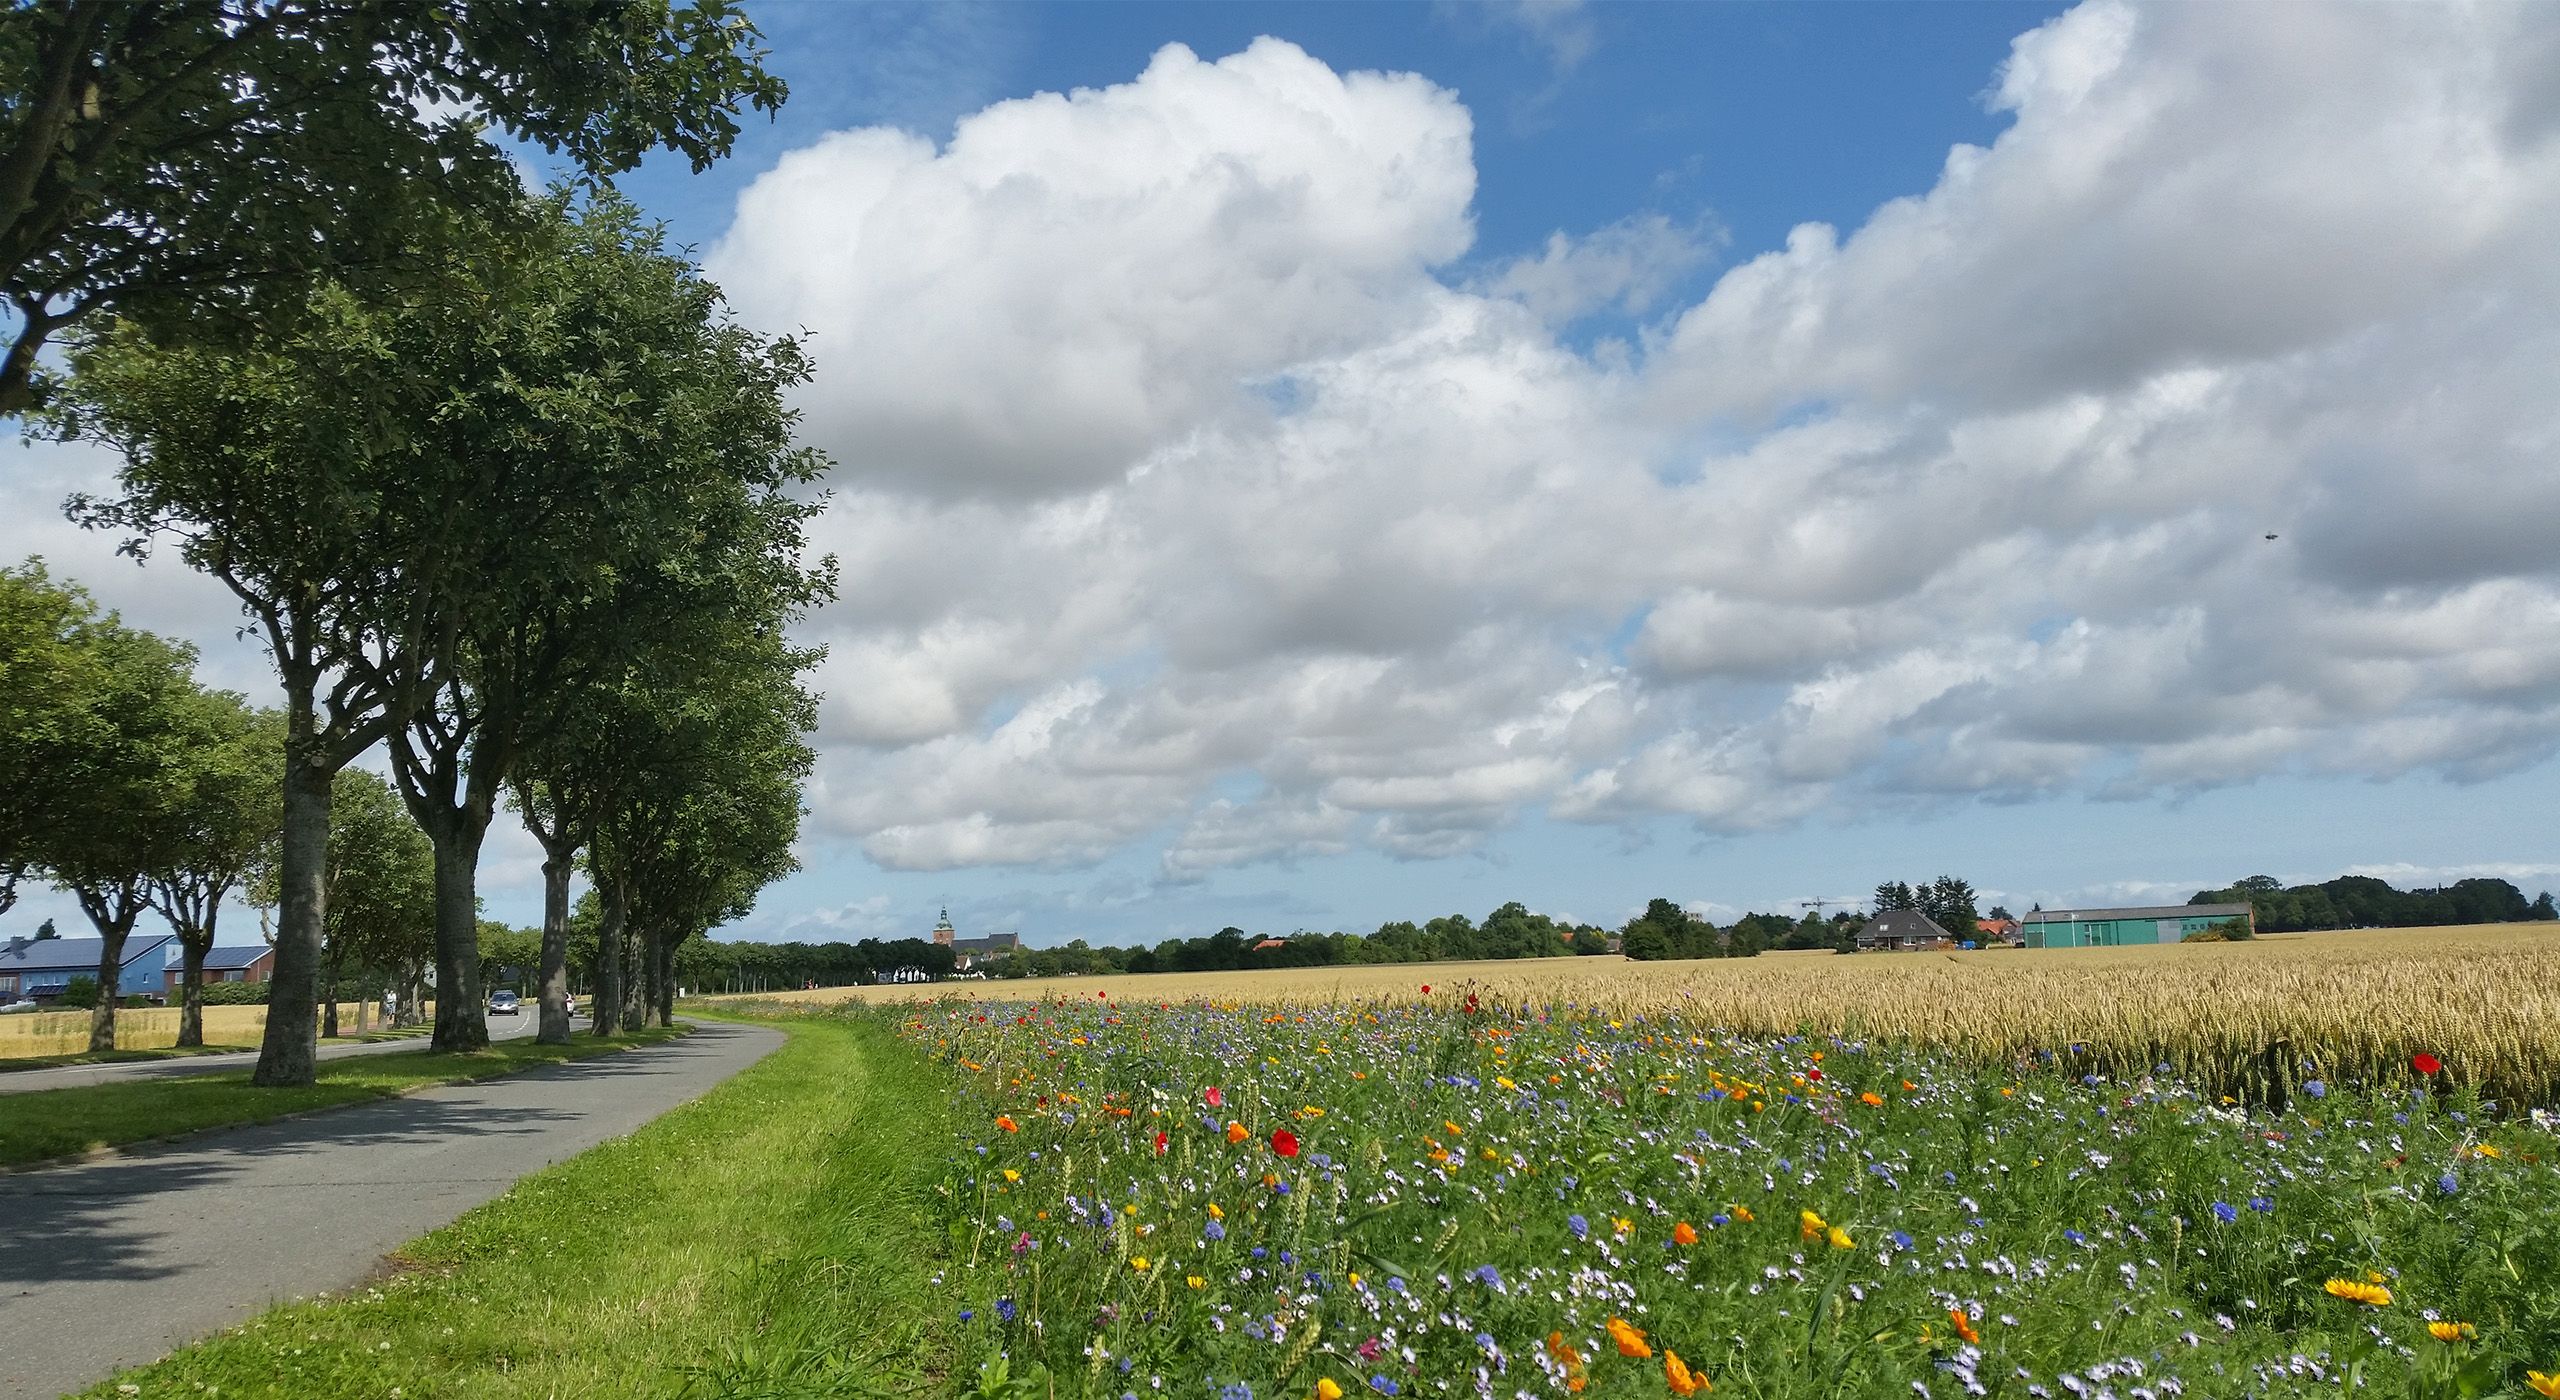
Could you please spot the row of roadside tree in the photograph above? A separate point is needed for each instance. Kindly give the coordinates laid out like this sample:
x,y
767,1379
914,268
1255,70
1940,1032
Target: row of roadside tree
x,y
502,492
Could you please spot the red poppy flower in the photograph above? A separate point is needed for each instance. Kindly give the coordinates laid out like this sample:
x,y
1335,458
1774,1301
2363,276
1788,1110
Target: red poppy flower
x,y
1426,989
1216,1099
2426,1063
1284,1142
1813,1074
1160,1144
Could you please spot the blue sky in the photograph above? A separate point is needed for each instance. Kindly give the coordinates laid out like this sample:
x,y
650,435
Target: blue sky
x,y
1735,452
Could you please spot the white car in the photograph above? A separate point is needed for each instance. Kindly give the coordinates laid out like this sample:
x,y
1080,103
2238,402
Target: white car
x,y
503,1004
21,1004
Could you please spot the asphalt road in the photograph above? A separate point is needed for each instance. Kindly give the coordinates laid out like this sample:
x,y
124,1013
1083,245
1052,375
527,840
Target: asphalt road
x,y
24,1081
115,1263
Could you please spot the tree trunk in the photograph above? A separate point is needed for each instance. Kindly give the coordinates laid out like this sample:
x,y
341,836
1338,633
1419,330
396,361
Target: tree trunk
x,y
462,1022
608,992
329,996
555,949
288,1055
667,982
102,1018
644,987
191,990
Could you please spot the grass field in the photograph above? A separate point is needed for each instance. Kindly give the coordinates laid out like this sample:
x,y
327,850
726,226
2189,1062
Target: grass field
x,y
29,1034
49,1123
769,1239
2340,1006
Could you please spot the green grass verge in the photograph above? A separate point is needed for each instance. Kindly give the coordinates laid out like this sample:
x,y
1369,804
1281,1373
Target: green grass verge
x,y
115,1057
49,1123
766,1240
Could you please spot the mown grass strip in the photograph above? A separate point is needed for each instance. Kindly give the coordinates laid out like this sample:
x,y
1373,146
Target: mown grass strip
x,y
115,1057
766,1240
50,1123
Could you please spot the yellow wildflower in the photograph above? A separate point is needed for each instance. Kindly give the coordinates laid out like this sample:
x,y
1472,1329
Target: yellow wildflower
x,y
2542,1384
1327,1390
1813,1226
2370,1294
2451,1331
1139,1263
1840,1239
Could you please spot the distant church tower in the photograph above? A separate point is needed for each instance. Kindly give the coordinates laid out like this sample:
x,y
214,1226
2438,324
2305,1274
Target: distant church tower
x,y
943,932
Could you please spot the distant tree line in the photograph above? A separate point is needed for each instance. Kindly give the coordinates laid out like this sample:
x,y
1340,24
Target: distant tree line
x,y
1663,930
2362,901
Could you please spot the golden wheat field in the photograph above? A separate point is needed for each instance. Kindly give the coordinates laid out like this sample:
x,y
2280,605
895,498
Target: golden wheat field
x,y
28,1034
2249,1016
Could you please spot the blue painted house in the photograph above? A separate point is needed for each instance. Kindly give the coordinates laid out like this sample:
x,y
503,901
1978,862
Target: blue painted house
x,y
38,969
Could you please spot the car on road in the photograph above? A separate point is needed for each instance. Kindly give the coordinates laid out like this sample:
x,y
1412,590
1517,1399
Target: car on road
x,y
503,1004
21,1004
572,1004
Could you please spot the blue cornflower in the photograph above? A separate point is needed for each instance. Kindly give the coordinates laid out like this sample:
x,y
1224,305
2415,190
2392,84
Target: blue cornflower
x,y
2090,1080
1485,1274
1260,1253
2223,1212
966,1314
1580,1227
1214,1230
2075,1237
1237,1391
2262,1204
2315,1088
1004,1308
1718,1220
1382,1385
2447,1184
1900,1240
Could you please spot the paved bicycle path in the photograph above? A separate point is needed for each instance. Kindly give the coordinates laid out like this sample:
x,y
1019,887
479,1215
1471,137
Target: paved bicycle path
x,y
26,1081
114,1263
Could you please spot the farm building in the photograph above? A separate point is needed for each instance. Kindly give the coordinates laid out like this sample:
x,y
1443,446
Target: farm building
x,y
39,968
2114,928
1896,930
250,962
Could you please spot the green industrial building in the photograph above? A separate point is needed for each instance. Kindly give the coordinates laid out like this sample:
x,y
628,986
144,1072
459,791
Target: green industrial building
x,y
2116,928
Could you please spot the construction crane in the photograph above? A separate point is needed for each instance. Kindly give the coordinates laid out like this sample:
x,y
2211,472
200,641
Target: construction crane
x,y
1818,905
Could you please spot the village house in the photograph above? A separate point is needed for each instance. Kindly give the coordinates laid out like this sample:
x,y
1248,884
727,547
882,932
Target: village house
x,y
1901,930
38,969
248,962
